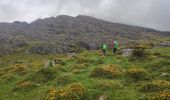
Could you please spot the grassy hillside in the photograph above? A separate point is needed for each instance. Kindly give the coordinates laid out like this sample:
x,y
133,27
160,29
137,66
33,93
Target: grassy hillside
x,y
86,76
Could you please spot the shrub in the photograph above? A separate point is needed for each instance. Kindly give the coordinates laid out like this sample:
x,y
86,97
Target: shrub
x,y
157,54
80,66
66,79
161,96
161,66
43,75
36,64
156,85
82,59
59,61
136,74
20,69
139,52
140,46
74,91
158,64
24,85
85,54
108,71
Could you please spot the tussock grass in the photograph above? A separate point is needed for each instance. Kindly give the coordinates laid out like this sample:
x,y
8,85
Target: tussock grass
x,y
113,77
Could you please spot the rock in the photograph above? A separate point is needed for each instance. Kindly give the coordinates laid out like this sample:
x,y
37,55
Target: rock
x,y
102,97
126,52
164,74
71,54
46,64
165,44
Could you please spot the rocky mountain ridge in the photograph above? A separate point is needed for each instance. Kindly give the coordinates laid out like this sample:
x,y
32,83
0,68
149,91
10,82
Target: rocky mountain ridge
x,y
65,34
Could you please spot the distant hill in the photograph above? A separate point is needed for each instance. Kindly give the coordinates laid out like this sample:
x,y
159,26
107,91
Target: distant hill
x,y
65,33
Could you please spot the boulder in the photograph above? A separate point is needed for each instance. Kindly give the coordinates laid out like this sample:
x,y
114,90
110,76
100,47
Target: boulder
x,y
126,52
164,44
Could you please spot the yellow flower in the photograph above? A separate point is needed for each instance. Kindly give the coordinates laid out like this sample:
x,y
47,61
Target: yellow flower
x,y
66,93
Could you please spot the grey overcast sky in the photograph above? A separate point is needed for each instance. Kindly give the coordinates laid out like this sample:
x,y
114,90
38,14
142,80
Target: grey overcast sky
x,y
148,13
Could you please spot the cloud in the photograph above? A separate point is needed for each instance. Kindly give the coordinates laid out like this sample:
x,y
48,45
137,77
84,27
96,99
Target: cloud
x,y
147,13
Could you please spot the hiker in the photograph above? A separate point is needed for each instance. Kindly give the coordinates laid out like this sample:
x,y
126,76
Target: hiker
x,y
104,47
115,46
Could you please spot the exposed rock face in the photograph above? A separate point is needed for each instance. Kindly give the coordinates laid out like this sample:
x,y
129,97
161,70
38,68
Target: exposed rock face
x,y
53,35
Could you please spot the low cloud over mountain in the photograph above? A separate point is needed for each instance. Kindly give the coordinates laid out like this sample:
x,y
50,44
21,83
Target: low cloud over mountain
x,y
148,13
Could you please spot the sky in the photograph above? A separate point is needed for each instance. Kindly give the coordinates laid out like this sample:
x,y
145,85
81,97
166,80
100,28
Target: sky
x,y
146,13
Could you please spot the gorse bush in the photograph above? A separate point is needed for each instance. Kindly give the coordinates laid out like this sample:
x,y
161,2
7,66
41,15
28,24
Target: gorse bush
x,y
161,66
43,75
158,64
66,79
36,64
139,52
157,54
59,61
84,54
80,66
161,96
24,85
140,46
82,59
156,85
108,71
20,69
74,91
136,74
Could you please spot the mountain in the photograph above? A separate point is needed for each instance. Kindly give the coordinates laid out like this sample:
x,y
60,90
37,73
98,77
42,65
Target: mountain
x,y
65,34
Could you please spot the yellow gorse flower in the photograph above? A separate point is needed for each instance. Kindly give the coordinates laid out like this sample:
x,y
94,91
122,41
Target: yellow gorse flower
x,y
24,85
156,85
136,73
108,71
161,84
161,96
66,93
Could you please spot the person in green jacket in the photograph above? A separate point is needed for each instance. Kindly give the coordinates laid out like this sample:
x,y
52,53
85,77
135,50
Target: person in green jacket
x,y
104,47
115,46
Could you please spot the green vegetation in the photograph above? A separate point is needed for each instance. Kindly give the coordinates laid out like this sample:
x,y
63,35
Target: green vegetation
x,y
87,76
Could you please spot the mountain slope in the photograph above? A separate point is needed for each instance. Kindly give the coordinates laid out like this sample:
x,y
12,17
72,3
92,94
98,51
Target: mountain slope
x,y
26,77
64,33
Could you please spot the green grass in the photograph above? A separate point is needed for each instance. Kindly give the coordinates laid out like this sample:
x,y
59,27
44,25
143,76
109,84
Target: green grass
x,y
114,89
